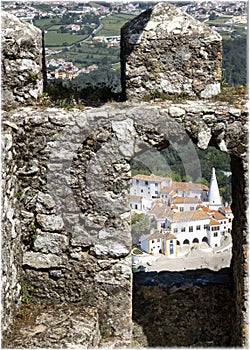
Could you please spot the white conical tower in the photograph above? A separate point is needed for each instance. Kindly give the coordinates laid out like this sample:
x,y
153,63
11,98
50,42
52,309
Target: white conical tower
x,y
213,193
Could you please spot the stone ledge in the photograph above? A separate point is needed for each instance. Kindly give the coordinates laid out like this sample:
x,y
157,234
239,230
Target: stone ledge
x,y
40,325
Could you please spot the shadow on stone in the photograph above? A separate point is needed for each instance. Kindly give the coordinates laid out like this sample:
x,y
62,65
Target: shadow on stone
x,y
188,309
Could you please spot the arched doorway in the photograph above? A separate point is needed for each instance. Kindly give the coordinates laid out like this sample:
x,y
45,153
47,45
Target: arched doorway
x,y
186,241
195,240
204,239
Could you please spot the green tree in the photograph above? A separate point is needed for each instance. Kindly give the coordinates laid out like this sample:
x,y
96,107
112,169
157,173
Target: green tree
x,y
140,224
212,16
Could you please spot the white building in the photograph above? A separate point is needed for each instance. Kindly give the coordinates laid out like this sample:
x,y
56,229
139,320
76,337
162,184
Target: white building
x,y
189,226
152,243
185,203
159,211
191,213
140,204
148,186
159,243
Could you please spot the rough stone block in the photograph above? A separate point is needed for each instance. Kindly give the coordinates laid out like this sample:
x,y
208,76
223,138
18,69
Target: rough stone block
x,y
165,49
22,78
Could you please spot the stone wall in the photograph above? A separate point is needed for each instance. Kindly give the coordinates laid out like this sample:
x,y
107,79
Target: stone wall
x,y
66,218
167,50
11,243
22,78
74,173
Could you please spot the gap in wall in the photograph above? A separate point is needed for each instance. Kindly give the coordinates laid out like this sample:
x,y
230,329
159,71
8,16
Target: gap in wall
x,y
174,226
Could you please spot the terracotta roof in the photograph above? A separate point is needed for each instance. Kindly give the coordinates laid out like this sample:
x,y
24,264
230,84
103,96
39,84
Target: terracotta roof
x,y
156,235
213,222
218,216
187,186
170,236
189,216
135,197
156,201
166,189
215,213
160,211
151,177
227,209
174,206
179,200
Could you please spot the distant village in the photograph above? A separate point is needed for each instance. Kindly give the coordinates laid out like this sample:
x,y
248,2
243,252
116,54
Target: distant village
x,y
201,10
186,213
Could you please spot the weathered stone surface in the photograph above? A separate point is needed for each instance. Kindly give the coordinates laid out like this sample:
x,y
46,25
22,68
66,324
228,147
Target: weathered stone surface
x,y
50,222
187,313
79,207
21,60
48,242
164,49
71,326
41,261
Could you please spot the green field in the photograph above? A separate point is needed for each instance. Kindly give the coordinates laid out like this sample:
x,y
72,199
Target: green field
x,y
55,27
52,39
46,23
219,20
89,54
113,23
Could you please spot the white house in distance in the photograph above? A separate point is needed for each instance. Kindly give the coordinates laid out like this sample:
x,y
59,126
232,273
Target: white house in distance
x,y
157,187
188,213
140,204
194,227
148,186
160,243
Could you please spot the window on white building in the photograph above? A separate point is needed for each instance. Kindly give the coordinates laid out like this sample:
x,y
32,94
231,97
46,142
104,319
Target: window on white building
x,y
141,191
136,206
191,229
215,234
156,184
146,183
158,240
183,229
191,208
156,192
181,209
198,227
137,181
175,230
205,227
153,241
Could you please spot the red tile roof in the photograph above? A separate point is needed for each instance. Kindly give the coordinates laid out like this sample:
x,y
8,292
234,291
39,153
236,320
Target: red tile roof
x,y
160,211
188,186
188,216
213,222
151,177
135,197
182,200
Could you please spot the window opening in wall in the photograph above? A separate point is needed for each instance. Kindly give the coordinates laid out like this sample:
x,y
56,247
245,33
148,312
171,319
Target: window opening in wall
x,y
191,218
